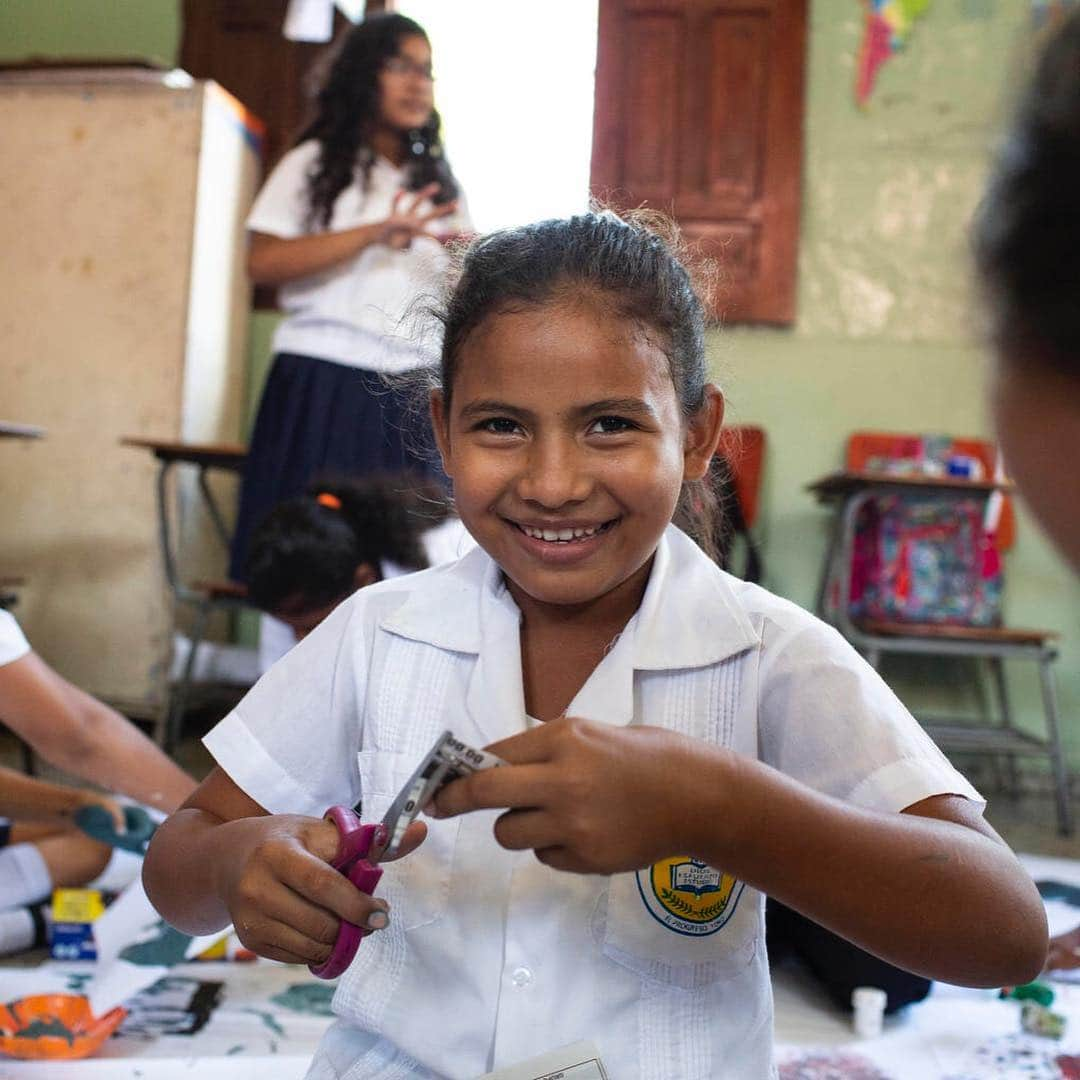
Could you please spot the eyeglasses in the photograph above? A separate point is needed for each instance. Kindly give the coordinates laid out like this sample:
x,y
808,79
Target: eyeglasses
x,y
402,65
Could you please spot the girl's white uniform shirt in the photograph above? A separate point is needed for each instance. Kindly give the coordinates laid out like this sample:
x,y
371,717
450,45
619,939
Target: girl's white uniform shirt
x,y
491,958
359,312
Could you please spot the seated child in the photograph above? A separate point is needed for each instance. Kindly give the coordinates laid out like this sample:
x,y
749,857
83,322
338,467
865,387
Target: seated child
x,y
678,743
312,552
41,848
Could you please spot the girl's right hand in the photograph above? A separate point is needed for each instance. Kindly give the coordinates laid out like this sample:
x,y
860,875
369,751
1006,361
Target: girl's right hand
x,y
407,220
285,899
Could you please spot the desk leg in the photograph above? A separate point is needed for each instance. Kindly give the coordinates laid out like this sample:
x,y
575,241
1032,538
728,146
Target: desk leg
x,y
1057,758
836,532
214,510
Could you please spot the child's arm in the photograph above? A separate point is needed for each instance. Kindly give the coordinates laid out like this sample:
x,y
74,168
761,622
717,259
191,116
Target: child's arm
x,y
81,735
274,260
933,890
26,798
221,858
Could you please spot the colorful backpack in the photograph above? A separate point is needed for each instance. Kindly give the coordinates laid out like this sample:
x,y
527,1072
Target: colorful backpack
x,y
925,559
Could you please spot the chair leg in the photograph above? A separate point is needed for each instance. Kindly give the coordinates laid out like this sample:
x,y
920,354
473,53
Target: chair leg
x,y
997,669
1057,758
178,697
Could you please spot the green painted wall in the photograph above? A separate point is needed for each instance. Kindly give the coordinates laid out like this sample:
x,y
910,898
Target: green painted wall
x,y
90,28
885,334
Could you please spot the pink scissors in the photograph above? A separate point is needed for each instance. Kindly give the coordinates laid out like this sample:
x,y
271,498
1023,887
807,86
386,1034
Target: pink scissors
x,y
448,759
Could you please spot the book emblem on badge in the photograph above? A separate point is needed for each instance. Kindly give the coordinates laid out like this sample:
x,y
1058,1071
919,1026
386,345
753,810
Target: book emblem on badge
x,y
689,896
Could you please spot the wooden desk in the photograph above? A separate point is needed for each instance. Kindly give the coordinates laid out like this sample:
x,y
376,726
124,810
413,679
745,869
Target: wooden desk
x,y
229,456
202,596
849,492
202,456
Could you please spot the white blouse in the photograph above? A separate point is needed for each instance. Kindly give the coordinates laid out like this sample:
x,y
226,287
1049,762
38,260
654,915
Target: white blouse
x,y
368,311
491,958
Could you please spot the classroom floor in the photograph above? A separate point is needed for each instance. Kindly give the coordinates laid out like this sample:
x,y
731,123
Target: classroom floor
x,y
264,1025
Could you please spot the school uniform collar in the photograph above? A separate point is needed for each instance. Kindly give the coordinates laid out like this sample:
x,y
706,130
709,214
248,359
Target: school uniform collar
x,y
689,616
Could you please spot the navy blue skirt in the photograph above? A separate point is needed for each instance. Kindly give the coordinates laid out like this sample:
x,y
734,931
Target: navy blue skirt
x,y
318,418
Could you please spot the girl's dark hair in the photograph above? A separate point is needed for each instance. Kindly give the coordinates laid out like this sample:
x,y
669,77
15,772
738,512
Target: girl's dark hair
x,y
347,108
1027,229
310,547
628,265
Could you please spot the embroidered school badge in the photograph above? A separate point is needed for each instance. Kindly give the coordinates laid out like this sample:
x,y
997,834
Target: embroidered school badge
x,y
689,896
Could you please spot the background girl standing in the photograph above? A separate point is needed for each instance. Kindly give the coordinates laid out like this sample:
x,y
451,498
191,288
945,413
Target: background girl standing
x,y
680,741
346,226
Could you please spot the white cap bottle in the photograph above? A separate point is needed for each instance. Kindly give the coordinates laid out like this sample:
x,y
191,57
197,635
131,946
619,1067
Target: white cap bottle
x,y
869,1005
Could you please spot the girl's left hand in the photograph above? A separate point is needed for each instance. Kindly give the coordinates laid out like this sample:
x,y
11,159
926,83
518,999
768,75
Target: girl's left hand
x,y
592,798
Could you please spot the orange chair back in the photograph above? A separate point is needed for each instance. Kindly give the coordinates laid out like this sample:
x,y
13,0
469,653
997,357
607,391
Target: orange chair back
x,y
744,447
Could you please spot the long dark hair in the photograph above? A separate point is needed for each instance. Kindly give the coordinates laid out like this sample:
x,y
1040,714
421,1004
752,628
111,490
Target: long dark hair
x,y
628,264
347,108
1027,229
310,547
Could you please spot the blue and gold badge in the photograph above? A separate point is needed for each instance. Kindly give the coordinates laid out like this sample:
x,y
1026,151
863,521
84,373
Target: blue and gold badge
x,y
689,896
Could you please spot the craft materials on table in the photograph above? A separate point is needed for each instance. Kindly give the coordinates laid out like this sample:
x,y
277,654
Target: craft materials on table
x,y
957,1033
206,1021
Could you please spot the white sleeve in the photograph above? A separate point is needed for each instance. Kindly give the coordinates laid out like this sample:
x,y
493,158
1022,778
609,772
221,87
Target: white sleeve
x,y
292,742
13,644
280,208
828,719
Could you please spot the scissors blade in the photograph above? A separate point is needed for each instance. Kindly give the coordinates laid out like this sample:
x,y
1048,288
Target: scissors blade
x,y
447,760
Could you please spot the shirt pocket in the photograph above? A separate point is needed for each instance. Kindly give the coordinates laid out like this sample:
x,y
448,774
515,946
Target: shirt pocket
x,y
680,923
417,886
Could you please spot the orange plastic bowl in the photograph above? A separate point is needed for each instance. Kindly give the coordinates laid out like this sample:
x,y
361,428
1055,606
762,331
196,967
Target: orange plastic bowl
x,y
54,1027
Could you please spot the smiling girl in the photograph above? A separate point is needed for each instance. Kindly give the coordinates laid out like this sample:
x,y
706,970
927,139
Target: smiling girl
x,y
683,743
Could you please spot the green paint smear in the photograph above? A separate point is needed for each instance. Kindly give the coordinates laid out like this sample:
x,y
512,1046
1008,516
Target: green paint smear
x,y
233,1050
77,980
166,949
268,1020
49,1026
310,998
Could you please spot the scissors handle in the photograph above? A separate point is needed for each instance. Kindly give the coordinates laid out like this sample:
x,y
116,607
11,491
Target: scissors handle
x,y
354,842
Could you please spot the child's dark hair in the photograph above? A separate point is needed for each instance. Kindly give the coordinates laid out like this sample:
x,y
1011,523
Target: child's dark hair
x,y
347,106
308,548
1027,229
626,265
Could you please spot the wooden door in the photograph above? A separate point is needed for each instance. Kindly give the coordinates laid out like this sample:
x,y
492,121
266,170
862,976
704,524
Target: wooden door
x,y
699,113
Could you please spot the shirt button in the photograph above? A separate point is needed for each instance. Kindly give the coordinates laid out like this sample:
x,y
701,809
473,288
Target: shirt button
x,y
522,976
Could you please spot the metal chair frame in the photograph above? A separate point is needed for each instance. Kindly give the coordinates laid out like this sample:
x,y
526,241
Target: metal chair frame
x,y
1004,737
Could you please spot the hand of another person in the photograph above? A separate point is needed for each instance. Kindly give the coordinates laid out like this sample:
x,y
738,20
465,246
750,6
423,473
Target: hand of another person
x,y
408,219
285,900
115,810
1064,951
590,797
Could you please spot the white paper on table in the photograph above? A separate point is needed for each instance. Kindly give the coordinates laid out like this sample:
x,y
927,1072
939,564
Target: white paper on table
x,y
579,1061
131,920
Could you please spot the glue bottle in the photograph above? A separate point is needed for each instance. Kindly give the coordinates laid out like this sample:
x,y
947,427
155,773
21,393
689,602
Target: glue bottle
x,y
869,1005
